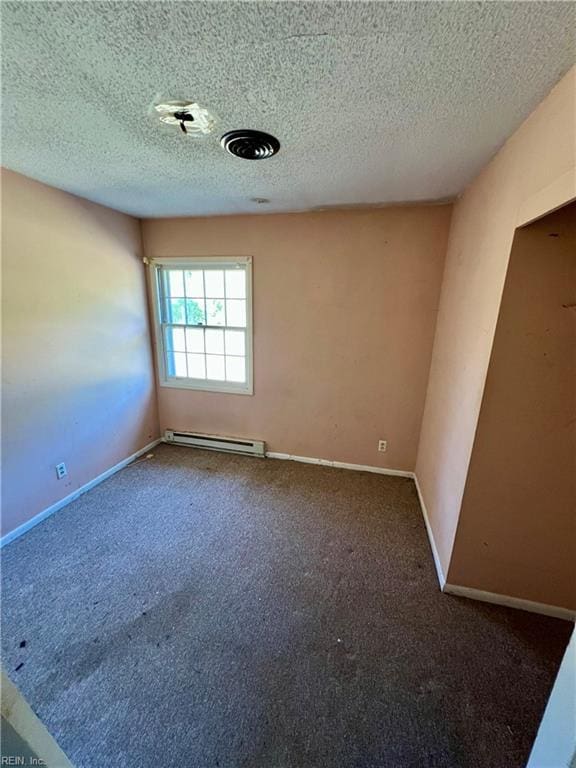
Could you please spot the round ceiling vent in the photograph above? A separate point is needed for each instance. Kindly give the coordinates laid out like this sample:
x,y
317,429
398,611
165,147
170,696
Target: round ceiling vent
x,y
250,145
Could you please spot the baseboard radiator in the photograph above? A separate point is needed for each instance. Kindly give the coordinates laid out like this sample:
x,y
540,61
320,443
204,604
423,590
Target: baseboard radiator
x,y
216,442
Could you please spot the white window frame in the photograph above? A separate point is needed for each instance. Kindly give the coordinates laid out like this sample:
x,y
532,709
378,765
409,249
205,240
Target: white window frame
x,y
202,262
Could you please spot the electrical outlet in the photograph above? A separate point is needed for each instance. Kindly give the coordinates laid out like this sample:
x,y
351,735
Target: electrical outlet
x,y
382,445
61,471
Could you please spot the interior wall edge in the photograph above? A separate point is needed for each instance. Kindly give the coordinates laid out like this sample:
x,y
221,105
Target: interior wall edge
x,y
552,204
499,542
511,175
149,299
555,744
28,729
431,540
560,192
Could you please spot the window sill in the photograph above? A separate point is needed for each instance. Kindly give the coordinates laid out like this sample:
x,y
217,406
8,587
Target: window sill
x,y
220,388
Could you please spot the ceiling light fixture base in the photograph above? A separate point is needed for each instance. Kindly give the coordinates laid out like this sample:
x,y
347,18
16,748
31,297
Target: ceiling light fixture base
x,y
188,116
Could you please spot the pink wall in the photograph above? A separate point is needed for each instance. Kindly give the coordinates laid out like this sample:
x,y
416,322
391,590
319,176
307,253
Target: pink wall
x,y
344,312
517,528
533,173
77,373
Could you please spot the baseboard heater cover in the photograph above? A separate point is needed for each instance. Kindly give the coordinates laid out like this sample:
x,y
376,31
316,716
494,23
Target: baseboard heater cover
x,y
216,442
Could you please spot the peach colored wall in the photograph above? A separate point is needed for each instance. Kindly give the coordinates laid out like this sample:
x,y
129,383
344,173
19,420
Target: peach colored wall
x,y
517,528
77,378
344,312
533,173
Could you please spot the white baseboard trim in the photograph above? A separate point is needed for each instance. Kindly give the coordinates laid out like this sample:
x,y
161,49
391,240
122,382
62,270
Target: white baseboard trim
x,y
435,555
22,529
340,464
451,589
510,602
479,594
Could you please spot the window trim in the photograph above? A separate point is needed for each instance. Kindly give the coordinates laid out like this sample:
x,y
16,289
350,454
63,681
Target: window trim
x,y
201,385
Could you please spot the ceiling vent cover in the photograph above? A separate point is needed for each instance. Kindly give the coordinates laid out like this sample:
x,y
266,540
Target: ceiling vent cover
x,y
250,145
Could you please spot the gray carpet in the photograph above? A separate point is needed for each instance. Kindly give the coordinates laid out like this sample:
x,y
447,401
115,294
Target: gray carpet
x,y
200,609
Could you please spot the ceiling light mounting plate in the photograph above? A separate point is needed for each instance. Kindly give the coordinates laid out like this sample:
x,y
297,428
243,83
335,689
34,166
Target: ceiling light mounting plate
x,y
189,116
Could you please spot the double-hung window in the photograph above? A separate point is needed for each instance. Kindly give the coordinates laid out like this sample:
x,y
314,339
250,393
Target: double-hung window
x,y
203,317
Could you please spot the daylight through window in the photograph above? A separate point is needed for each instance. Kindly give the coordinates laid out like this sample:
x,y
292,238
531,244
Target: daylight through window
x,y
203,312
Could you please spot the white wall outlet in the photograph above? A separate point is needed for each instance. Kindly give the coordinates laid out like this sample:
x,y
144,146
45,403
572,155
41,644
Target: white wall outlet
x,y
382,445
61,471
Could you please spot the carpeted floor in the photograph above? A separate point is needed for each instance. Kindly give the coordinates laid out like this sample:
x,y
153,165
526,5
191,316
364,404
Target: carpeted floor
x,y
201,609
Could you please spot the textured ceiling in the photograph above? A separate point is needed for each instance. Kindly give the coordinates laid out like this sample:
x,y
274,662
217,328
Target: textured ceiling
x,y
372,102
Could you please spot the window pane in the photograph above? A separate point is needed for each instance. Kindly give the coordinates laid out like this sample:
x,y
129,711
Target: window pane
x,y
236,313
203,310
175,339
195,312
178,367
235,284
175,282
235,343
235,369
215,312
215,367
214,282
196,366
194,340
194,283
214,342
175,311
